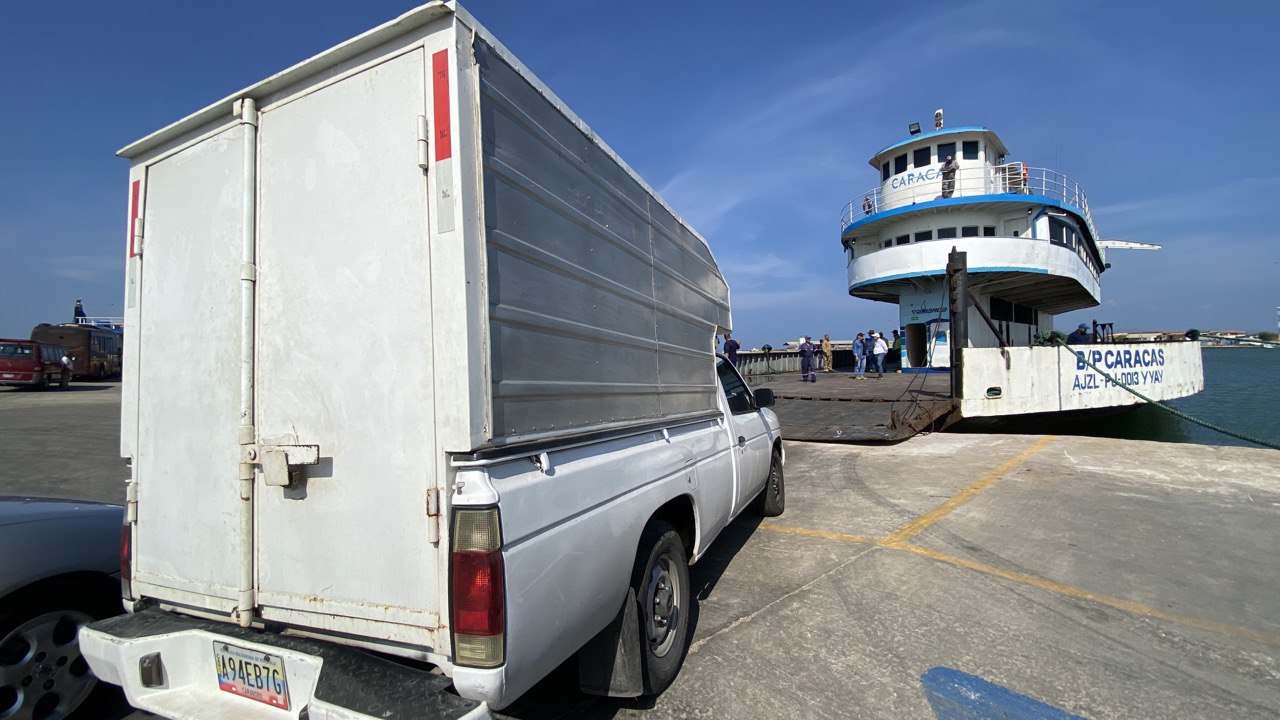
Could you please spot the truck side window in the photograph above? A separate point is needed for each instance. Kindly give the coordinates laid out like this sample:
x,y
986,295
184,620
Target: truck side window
x,y
734,389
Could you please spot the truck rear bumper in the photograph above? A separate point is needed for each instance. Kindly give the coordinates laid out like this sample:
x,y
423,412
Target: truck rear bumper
x,y
324,679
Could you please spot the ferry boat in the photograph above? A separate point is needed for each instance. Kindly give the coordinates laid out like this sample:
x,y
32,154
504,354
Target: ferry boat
x,y
1032,253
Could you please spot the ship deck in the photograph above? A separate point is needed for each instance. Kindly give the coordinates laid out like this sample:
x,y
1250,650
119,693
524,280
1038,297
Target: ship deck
x,y
841,408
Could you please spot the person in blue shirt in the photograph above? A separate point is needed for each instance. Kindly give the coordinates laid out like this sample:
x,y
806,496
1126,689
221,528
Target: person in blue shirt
x,y
1080,336
731,348
807,351
859,357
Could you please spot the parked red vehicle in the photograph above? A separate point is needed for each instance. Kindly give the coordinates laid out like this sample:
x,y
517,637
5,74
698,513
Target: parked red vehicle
x,y
26,362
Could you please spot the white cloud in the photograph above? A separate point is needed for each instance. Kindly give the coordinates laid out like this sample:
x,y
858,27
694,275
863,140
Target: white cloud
x,y
87,268
1226,200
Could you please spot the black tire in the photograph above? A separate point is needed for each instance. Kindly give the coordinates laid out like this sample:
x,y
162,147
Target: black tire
x,y
40,650
65,382
45,382
772,500
664,611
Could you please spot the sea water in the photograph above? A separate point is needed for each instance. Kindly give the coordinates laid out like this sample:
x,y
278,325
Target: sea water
x,y
1241,393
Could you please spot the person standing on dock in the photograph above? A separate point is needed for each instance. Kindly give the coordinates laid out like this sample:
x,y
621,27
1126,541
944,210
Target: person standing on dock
x,y
859,357
807,351
828,356
949,176
895,351
731,348
868,347
1080,336
878,350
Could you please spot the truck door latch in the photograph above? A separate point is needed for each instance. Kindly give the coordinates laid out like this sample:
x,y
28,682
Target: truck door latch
x,y
282,464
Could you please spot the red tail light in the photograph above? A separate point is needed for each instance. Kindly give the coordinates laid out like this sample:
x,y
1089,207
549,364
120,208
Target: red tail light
x,y
126,560
478,593
478,597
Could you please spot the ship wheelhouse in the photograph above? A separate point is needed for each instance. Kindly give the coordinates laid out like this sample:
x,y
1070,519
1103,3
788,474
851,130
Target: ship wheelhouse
x,y
1032,248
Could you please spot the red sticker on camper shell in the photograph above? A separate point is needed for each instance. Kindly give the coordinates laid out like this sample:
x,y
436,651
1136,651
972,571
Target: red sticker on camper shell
x,y
133,218
440,98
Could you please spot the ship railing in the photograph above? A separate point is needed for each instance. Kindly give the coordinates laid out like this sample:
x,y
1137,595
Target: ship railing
x,y
1008,179
103,322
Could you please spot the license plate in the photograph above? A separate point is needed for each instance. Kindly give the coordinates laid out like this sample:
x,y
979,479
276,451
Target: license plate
x,y
251,674
7,375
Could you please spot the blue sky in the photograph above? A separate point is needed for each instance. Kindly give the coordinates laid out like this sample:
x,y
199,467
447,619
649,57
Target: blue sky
x,y
754,119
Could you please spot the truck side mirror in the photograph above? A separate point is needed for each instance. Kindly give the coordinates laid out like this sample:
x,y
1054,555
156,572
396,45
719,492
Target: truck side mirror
x,y
764,397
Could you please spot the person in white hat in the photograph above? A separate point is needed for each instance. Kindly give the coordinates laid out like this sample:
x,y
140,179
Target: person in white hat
x,y
879,349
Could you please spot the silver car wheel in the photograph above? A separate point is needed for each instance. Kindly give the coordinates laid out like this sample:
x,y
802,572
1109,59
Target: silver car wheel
x,y
662,611
43,676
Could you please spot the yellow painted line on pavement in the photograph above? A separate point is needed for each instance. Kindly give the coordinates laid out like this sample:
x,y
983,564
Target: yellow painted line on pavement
x,y
1130,606
818,533
911,529
1036,581
898,539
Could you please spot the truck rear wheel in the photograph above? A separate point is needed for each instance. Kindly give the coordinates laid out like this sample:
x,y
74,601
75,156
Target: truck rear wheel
x,y
772,500
661,583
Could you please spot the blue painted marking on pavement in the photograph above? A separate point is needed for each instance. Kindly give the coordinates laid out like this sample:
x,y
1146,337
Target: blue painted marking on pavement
x,y
956,695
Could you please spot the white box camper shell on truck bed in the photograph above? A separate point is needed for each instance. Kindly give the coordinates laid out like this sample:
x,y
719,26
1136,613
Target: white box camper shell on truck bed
x,y
418,365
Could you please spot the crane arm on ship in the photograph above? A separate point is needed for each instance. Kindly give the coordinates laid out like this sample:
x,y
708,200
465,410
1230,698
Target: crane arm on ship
x,y
1113,244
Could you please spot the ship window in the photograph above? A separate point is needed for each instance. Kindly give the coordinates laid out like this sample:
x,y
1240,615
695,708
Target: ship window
x,y
946,150
1001,310
884,170
944,233
900,164
1023,314
1057,232
902,240
988,231
922,157
886,243
969,231
924,236
970,149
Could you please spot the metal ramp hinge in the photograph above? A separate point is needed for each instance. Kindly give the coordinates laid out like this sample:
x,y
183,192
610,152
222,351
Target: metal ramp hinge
x,y
424,137
433,516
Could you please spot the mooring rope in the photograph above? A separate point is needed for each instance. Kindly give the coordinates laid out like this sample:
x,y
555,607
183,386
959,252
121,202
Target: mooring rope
x,y
1166,408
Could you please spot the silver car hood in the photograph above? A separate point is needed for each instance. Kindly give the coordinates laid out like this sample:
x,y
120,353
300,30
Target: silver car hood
x,y
22,510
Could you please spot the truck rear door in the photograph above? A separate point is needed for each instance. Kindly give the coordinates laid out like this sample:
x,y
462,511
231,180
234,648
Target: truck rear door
x,y
344,363
188,390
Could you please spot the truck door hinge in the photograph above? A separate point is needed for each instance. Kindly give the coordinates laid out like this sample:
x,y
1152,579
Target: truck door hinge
x,y
138,238
424,158
433,516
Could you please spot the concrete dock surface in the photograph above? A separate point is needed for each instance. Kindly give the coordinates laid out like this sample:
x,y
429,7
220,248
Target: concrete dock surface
x,y
1104,578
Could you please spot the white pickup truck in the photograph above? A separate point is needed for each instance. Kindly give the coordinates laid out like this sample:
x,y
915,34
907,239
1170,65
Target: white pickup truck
x,y
418,366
